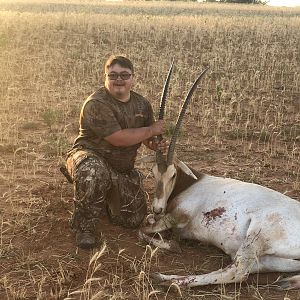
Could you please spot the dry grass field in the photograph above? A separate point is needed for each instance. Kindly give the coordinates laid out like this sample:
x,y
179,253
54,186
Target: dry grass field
x,y
244,122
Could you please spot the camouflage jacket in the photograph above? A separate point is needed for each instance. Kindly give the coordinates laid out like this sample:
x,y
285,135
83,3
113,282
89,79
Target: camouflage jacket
x,y
102,115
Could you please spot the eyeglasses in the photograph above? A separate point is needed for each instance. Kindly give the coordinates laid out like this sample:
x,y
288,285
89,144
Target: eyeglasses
x,y
115,76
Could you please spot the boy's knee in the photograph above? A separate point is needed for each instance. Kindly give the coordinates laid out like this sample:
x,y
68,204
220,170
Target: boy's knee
x,y
93,170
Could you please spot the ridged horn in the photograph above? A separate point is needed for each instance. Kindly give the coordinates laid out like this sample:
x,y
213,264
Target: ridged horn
x,y
186,102
159,156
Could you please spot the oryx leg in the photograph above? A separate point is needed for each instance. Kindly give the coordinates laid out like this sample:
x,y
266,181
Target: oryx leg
x,y
270,263
165,223
265,264
278,264
170,245
244,263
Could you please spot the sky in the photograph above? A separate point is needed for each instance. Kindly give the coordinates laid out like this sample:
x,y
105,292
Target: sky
x,y
289,3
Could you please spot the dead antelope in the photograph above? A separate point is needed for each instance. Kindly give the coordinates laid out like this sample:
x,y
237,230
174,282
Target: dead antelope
x,y
257,227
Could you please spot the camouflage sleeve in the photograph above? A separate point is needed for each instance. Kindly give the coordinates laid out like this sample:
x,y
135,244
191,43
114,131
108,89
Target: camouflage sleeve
x,y
99,118
150,115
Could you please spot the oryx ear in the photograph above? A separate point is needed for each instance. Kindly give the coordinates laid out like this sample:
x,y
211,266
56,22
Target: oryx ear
x,y
185,168
147,159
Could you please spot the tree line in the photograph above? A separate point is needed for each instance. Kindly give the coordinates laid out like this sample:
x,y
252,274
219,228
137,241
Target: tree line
x,y
240,1
237,1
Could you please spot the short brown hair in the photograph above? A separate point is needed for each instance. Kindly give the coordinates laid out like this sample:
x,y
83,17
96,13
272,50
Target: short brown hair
x,y
120,60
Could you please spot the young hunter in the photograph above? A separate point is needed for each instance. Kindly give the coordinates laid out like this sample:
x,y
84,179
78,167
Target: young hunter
x,y
114,122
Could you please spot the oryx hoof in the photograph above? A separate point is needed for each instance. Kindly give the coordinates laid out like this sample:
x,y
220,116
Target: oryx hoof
x,y
150,219
159,279
289,283
156,277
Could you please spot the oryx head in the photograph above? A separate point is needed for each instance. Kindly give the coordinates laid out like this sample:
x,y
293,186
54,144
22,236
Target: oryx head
x,y
165,168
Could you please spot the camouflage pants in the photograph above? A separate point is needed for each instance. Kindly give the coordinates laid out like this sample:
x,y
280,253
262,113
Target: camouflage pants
x,y
98,186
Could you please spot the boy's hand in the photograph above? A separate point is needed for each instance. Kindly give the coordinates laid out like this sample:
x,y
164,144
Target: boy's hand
x,y
154,145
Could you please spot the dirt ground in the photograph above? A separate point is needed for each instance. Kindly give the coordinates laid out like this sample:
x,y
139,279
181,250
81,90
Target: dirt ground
x,y
39,259
243,123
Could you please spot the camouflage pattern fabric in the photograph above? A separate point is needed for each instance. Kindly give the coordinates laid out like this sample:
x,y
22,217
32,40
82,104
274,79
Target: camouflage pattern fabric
x,y
102,115
98,186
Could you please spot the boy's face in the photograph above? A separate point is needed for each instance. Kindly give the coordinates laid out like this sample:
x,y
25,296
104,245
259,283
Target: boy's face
x,y
119,81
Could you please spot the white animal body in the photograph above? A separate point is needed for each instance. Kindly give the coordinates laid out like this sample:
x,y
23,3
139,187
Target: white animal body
x,y
258,227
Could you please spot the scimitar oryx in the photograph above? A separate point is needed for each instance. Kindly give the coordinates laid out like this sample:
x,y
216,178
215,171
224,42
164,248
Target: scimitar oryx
x,y
257,227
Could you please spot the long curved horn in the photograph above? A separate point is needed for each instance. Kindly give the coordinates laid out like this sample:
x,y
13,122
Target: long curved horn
x,y
159,156
172,145
164,95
